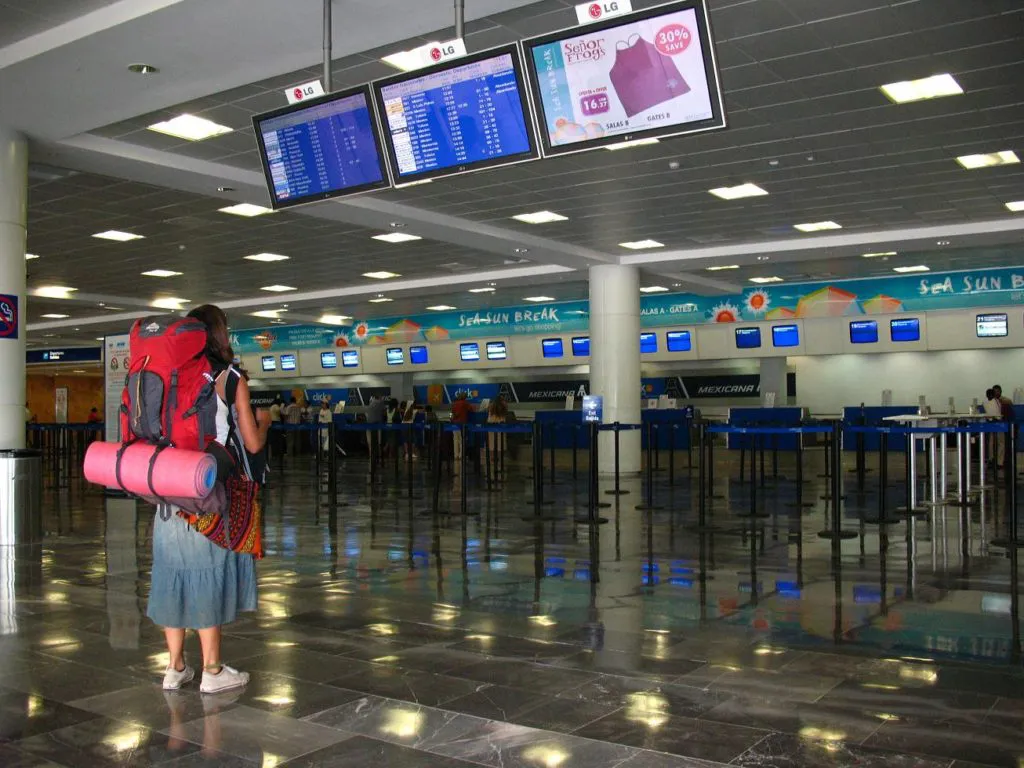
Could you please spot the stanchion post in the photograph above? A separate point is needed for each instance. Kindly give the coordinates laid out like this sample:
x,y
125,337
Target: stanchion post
x,y
702,503
617,490
551,453
332,468
672,432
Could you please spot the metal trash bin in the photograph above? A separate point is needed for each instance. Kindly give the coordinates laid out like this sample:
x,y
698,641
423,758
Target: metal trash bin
x,y
21,497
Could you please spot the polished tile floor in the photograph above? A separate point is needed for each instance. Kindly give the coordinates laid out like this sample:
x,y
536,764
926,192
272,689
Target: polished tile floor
x,y
388,636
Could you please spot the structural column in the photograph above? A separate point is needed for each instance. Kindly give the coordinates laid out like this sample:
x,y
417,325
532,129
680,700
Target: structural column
x,y
615,359
13,217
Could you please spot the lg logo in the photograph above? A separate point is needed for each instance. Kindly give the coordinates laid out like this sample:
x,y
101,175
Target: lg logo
x,y
597,10
587,13
303,91
435,54
438,53
298,94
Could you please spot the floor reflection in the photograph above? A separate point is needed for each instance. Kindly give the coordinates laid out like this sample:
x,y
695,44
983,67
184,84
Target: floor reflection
x,y
743,631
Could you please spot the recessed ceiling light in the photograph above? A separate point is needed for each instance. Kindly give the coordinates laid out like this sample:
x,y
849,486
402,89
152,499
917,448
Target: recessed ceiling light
x,y
30,256
169,302
540,217
817,226
653,289
121,237
246,209
538,298
78,370
334,319
639,245
54,292
396,237
101,338
416,183
406,61
762,280
942,242
55,316
225,189
380,300
926,88
915,268
278,288
383,275
735,193
441,307
161,273
142,69
485,289
630,144
879,253
267,257
723,266
272,314
190,128
1017,206
1006,157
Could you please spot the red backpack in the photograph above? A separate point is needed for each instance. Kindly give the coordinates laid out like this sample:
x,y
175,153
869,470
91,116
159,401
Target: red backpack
x,y
169,397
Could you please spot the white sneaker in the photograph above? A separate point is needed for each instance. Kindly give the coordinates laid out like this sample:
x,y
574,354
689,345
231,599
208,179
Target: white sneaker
x,y
173,679
227,679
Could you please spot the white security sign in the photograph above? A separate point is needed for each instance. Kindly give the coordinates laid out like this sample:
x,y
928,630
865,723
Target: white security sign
x,y
588,13
304,92
115,369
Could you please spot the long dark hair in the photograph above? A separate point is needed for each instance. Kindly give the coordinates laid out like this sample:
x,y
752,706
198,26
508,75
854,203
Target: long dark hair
x,y
218,344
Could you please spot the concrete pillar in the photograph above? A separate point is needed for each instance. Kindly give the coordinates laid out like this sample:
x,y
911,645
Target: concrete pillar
x,y
615,359
13,217
773,379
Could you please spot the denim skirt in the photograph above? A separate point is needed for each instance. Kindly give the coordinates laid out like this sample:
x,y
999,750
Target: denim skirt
x,y
195,583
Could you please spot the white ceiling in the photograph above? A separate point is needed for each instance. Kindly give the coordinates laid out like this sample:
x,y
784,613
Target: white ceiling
x,y
806,122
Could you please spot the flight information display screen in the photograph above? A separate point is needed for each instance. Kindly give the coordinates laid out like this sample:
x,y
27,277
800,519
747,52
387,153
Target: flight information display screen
x,y
321,149
459,116
418,355
268,362
905,329
863,332
328,360
786,335
644,75
551,347
678,341
648,343
469,352
496,350
748,338
992,325
581,346
350,358
395,355
287,362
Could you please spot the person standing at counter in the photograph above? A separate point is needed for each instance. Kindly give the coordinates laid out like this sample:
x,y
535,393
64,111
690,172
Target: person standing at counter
x,y
461,411
293,416
1008,415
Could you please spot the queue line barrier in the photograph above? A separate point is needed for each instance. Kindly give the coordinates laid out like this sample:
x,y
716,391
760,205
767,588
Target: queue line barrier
x,y
63,448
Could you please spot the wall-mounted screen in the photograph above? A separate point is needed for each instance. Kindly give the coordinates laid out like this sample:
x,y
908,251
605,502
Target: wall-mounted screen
x,y
394,356
905,329
645,75
581,346
786,335
328,359
469,352
863,332
287,362
268,362
319,149
648,343
418,355
551,348
459,116
496,350
990,326
748,338
678,341
350,358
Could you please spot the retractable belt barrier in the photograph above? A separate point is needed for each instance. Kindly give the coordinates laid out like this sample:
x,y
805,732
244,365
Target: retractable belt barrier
x,y
63,447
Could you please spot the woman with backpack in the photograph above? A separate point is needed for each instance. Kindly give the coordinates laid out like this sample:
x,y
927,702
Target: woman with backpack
x,y
195,583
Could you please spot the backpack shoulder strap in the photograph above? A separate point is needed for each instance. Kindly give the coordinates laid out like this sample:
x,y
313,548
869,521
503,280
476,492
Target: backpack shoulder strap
x,y
231,385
